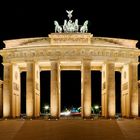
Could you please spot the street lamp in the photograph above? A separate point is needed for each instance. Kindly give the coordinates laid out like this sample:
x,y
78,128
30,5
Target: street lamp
x,y
46,108
96,107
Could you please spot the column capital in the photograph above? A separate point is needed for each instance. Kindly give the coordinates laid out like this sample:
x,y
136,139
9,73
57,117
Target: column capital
x,y
86,59
6,64
52,60
131,63
1,82
135,63
108,62
28,62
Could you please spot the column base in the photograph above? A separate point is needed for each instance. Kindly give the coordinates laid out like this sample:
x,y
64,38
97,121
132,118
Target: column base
x,y
130,117
53,118
6,118
87,118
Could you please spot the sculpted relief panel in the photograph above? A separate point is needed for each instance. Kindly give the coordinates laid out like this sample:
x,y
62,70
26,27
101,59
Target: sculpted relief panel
x,y
65,38
69,40
15,86
125,86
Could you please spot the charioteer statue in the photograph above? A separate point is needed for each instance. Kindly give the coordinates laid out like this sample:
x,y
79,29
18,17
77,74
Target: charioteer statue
x,y
70,26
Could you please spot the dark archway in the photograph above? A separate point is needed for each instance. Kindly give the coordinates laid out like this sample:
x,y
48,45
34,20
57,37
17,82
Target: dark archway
x,y
118,92
1,68
70,89
23,92
45,91
96,91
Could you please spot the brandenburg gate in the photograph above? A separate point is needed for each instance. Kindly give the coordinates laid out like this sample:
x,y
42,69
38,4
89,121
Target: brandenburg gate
x,y
69,50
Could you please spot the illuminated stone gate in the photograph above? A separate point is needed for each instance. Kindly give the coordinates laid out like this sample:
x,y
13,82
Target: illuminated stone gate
x,y
70,51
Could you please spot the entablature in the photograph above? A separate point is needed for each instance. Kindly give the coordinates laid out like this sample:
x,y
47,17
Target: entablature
x,y
46,53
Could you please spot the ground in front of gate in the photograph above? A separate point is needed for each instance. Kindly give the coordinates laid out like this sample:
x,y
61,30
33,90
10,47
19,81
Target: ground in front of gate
x,y
72,129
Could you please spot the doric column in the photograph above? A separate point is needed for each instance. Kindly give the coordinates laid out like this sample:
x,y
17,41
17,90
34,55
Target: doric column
x,y
36,90
86,89
30,90
134,89
108,90
125,90
129,98
104,91
139,97
55,95
33,90
15,94
7,90
1,98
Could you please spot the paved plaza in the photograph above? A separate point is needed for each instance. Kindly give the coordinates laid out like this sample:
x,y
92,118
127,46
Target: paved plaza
x,y
76,129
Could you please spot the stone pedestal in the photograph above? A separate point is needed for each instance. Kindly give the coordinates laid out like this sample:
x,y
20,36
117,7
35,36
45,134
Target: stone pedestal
x,y
108,90
86,89
55,97
1,98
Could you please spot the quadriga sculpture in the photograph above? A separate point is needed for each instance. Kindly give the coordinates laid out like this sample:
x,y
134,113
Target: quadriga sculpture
x,y
84,28
58,28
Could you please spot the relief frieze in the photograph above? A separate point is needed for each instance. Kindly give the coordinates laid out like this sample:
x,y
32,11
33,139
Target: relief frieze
x,y
62,52
69,40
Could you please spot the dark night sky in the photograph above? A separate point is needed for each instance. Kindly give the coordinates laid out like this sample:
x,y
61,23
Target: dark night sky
x,y
22,19
35,18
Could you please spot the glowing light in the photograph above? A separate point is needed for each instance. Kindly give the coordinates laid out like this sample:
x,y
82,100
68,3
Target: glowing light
x,y
67,113
96,107
46,107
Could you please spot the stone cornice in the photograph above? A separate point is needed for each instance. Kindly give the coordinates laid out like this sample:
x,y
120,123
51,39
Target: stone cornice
x,y
117,41
16,43
70,39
